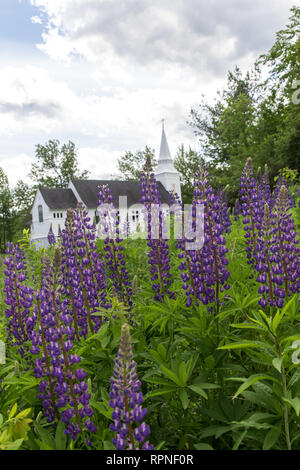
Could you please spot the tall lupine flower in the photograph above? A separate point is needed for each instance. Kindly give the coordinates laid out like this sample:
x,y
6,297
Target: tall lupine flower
x,y
91,264
62,387
59,233
224,210
114,257
19,297
237,209
126,400
51,236
158,256
287,245
126,228
211,260
84,279
277,254
252,209
263,257
282,181
204,271
264,189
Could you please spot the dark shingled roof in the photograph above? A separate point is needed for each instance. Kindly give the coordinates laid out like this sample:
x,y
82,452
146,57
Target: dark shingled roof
x,y
88,191
59,198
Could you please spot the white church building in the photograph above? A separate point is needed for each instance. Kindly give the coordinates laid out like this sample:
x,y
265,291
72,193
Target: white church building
x,y
51,204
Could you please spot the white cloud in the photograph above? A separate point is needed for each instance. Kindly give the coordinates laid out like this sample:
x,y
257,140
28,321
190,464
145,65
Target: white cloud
x,y
16,167
198,34
113,69
36,20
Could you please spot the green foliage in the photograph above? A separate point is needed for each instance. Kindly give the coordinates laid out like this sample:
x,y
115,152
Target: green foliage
x,y
255,117
131,164
55,166
187,163
14,430
213,382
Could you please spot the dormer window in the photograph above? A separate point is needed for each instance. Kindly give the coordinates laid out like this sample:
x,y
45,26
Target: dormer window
x,y
40,212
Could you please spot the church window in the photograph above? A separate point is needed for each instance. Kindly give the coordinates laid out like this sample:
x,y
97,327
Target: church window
x,y
40,211
61,215
135,216
54,215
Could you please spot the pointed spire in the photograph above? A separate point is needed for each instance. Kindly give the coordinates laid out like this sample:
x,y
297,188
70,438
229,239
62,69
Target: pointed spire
x,y
166,173
164,153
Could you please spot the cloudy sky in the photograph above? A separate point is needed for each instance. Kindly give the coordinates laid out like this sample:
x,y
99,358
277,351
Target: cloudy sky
x,y
103,73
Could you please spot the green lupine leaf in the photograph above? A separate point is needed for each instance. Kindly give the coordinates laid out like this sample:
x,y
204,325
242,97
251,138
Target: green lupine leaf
x,y
295,403
203,446
271,438
161,391
277,362
250,381
198,389
184,399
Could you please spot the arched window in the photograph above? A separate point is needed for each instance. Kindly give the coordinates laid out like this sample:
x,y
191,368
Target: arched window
x,y
40,211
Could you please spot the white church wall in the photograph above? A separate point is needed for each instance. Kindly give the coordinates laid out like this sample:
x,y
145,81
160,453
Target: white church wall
x,y
39,230
58,217
71,186
171,181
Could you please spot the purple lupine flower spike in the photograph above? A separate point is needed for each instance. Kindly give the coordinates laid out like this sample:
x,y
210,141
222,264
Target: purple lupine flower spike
x,y
84,278
51,236
252,209
224,210
277,254
237,209
62,388
126,400
158,256
114,258
19,297
204,271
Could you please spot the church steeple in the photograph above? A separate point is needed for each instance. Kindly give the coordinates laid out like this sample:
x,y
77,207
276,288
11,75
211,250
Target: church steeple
x,y
164,153
166,172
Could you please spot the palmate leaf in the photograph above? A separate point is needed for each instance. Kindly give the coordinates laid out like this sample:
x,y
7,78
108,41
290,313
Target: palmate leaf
x,y
272,437
203,446
158,381
60,437
249,326
161,391
215,430
171,375
246,344
295,403
252,380
198,389
184,398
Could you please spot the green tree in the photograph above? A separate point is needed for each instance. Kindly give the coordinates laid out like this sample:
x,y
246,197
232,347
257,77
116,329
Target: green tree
x,y
131,164
55,165
6,211
226,128
283,90
23,196
187,163
253,117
